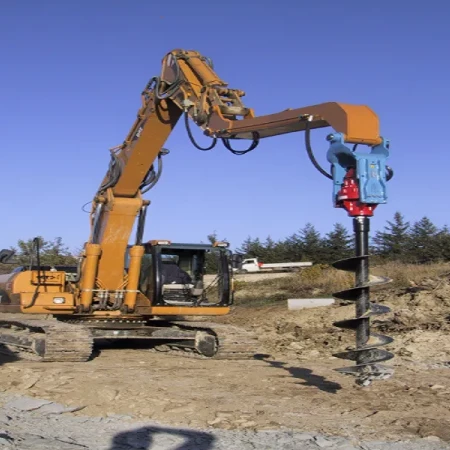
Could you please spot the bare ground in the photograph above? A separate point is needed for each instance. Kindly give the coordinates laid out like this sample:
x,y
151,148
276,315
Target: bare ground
x,y
293,388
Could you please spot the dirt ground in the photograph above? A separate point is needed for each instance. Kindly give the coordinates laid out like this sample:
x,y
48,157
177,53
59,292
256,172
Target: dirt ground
x,y
295,387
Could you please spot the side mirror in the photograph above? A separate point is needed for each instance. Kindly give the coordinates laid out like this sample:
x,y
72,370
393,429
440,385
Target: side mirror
x,y
6,256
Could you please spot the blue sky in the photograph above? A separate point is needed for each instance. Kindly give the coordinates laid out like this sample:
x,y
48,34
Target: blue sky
x,y
71,78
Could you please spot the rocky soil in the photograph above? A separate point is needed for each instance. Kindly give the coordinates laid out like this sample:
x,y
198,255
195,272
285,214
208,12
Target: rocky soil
x,y
289,397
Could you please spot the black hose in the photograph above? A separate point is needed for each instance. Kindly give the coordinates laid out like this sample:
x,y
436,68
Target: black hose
x,y
113,174
310,152
150,176
153,178
173,87
192,139
155,84
390,173
253,145
41,275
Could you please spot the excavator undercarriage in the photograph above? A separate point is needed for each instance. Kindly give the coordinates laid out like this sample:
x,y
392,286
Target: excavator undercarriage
x,y
172,277
74,341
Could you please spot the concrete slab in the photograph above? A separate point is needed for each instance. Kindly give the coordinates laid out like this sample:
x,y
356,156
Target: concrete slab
x,y
302,303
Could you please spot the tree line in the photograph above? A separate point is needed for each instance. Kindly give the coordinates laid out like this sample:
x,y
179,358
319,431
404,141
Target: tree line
x,y
418,242
52,252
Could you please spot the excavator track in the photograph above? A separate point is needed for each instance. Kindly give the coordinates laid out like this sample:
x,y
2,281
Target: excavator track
x,y
202,340
45,340
216,341
64,341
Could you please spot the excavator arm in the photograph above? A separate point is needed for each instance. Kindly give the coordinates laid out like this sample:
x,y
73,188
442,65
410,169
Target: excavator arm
x,y
187,85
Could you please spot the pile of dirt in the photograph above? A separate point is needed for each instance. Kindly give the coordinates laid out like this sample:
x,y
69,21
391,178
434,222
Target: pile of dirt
x,y
425,306
419,322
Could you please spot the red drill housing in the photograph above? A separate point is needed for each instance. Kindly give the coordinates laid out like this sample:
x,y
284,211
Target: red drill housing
x,y
348,197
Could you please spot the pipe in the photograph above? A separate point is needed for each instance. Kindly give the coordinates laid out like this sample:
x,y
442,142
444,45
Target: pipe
x,y
361,227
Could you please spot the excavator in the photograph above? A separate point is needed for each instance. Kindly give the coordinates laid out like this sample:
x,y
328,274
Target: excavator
x,y
120,290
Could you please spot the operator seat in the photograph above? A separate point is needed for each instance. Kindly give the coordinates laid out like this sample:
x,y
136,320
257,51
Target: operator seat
x,y
172,274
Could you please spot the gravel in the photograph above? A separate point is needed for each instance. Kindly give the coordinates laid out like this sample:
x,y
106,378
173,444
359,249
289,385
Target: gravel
x,y
35,424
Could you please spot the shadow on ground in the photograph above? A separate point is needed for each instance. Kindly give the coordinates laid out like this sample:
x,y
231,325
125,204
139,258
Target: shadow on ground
x,y
7,356
155,437
310,379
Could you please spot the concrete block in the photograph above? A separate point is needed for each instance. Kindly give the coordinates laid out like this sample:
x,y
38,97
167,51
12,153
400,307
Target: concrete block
x,y
301,303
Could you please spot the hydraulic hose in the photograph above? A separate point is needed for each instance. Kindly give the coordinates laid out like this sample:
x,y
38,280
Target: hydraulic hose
x,y
311,153
192,139
253,145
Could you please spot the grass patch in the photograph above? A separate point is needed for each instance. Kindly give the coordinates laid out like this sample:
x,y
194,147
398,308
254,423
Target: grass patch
x,y
322,280
404,275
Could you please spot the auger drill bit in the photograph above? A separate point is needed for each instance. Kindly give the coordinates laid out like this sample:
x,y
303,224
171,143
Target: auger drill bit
x,y
367,352
359,186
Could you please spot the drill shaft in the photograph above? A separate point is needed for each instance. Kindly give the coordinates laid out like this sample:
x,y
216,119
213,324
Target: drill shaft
x,y
361,228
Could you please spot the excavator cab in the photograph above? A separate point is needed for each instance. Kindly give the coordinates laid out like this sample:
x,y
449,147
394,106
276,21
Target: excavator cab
x,y
173,274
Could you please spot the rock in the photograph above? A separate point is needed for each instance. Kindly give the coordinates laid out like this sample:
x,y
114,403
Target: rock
x,y
322,442
249,424
224,414
4,418
30,383
57,408
113,415
304,437
348,447
295,346
4,443
404,352
44,406
5,437
26,404
180,409
215,421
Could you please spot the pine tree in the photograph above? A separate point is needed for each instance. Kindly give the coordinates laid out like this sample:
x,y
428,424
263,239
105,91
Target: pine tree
x,y
268,250
293,248
393,242
283,252
212,258
443,243
251,248
338,244
212,237
424,242
311,244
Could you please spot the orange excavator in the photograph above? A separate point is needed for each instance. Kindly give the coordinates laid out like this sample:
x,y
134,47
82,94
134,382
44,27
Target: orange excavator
x,y
153,290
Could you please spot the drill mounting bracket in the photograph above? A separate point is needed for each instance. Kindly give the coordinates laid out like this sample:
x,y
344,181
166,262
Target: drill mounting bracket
x,y
370,169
